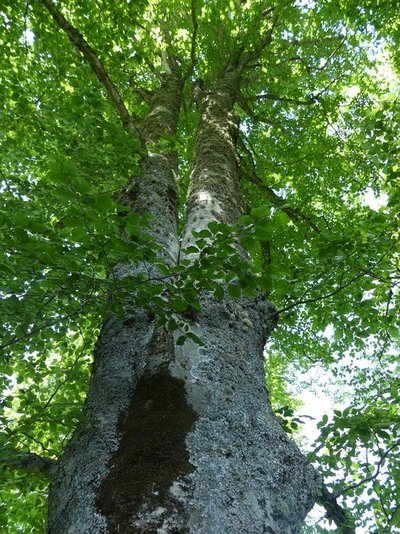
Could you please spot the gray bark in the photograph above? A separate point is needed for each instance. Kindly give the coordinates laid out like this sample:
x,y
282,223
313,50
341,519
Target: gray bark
x,y
124,348
155,190
182,439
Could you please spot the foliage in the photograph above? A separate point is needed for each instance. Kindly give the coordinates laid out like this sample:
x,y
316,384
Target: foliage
x,y
319,130
361,443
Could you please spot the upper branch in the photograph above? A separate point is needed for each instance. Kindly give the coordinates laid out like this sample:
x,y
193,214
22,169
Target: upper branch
x,y
312,99
252,55
29,462
274,198
96,65
195,24
294,214
272,13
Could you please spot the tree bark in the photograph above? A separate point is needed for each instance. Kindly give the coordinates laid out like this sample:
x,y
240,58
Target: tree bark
x,y
183,438
155,190
214,192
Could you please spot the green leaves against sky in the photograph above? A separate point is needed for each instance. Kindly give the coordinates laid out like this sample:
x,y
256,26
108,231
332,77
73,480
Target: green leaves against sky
x,y
319,130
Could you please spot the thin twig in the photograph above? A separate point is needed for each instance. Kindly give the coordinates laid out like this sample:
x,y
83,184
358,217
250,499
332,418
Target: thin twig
x,y
338,289
38,329
373,476
272,96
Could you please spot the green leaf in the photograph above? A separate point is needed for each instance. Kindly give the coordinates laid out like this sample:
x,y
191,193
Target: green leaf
x,y
234,291
81,185
105,203
203,233
195,338
281,217
181,340
64,194
191,250
62,171
245,220
261,212
219,293
263,230
179,305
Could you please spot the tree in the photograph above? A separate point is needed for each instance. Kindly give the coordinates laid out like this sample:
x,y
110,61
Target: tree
x,y
178,180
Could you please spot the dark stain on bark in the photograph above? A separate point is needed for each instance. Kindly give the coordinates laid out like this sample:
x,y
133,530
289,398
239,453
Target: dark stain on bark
x,y
151,456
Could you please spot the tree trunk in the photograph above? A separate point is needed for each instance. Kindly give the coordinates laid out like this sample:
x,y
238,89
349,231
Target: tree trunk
x,y
182,438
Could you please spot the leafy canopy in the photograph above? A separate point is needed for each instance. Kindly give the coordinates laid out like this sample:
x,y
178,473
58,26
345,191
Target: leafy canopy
x,y
319,115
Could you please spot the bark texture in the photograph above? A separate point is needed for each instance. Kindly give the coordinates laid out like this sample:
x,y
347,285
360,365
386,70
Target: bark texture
x,y
182,439
124,348
214,192
155,190
248,476
120,357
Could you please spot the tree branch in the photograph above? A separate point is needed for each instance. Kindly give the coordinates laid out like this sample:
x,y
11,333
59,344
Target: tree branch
x,y
335,512
332,54
338,289
29,462
96,65
252,55
326,296
242,58
275,199
374,475
195,24
38,329
310,68
280,202
249,57
243,103
313,99
272,96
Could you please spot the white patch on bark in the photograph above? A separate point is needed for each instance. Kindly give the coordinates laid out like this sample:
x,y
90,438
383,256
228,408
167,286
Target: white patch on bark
x,y
248,476
188,357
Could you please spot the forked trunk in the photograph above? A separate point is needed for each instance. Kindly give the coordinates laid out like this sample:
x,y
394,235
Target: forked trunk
x,y
182,438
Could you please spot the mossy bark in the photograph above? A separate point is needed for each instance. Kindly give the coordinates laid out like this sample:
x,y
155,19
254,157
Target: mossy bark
x,y
214,192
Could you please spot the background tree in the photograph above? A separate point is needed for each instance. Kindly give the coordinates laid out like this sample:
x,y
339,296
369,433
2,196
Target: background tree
x,y
168,170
